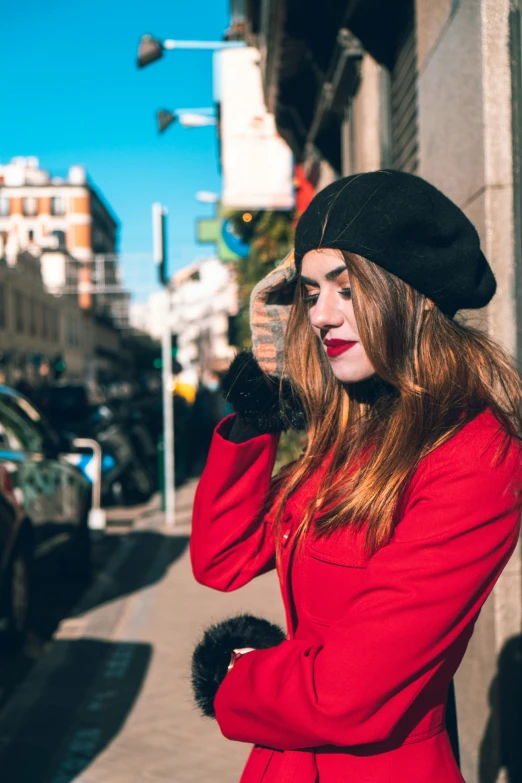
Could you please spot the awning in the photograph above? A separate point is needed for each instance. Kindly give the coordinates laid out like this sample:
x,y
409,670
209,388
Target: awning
x,y
318,64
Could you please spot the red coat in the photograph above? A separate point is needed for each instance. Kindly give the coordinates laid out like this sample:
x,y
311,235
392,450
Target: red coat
x,y
358,691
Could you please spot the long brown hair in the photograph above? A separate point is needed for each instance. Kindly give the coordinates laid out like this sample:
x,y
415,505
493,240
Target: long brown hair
x,y
433,375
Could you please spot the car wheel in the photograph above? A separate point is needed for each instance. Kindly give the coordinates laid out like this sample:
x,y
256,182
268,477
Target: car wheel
x,y
18,594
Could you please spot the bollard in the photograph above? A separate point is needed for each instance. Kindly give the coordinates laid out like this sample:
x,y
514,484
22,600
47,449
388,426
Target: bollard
x,y
97,518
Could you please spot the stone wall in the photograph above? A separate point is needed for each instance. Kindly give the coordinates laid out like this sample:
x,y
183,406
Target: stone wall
x,y
465,122
465,130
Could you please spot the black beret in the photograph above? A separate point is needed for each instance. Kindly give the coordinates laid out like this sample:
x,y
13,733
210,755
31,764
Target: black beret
x,y
406,226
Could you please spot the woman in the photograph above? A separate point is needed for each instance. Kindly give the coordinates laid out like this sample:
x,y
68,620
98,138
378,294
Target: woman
x,y
391,529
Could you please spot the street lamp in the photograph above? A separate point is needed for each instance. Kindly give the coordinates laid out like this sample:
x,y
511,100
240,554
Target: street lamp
x,y
188,118
151,49
207,197
192,120
164,118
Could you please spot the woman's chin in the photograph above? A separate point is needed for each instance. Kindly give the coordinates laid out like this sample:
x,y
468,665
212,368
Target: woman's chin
x,y
351,374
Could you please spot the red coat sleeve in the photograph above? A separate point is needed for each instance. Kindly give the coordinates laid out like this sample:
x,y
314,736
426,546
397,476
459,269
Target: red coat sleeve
x,y
232,539
414,614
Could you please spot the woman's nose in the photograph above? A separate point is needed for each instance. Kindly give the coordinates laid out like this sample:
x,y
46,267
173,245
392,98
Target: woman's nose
x,y
325,314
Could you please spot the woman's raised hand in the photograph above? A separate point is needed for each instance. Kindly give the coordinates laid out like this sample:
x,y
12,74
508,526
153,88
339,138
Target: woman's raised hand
x,y
270,304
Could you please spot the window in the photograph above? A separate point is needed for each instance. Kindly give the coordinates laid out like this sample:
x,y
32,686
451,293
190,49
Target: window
x,y
9,436
22,427
57,205
32,318
3,318
30,235
30,206
19,311
4,206
403,99
56,327
60,235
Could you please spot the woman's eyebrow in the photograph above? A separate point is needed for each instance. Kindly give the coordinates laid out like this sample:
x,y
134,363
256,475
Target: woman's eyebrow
x,y
333,274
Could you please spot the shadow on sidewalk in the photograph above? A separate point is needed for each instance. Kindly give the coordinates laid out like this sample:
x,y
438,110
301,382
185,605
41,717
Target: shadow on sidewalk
x,y
89,688
501,746
149,556
122,565
139,560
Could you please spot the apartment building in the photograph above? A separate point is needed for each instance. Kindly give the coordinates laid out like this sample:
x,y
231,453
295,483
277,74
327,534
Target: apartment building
x,y
67,223
40,334
202,306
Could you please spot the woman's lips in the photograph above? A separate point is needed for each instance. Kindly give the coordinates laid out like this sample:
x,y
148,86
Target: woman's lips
x,y
337,347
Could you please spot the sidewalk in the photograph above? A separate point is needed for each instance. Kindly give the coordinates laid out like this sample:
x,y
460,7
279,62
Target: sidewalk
x,y
163,737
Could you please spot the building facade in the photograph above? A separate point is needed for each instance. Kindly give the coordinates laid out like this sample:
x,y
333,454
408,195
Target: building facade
x,y
203,303
148,316
45,338
70,227
42,336
433,88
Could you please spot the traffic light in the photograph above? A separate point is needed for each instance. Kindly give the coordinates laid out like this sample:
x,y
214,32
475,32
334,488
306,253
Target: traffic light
x,y
58,367
157,362
159,239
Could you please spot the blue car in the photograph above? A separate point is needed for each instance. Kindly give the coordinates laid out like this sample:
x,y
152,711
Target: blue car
x,y
51,497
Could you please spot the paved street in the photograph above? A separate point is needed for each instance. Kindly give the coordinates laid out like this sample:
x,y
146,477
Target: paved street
x,y
109,700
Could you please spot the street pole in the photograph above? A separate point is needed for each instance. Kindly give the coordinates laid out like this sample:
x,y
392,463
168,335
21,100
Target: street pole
x,y
159,215
168,415
151,49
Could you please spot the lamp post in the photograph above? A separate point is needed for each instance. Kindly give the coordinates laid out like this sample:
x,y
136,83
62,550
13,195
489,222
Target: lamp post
x,y
151,49
159,240
188,118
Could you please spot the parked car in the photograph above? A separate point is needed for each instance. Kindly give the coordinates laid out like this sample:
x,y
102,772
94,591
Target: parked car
x,y
15,560
54,500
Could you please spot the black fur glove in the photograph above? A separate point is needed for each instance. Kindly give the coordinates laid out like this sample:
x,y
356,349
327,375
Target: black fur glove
x,y
255,397
211,657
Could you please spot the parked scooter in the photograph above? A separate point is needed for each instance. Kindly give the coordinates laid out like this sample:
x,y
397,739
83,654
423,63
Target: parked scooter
x,y
125,477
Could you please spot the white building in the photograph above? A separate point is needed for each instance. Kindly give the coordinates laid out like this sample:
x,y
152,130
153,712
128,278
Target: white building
x,y
148,316
203,299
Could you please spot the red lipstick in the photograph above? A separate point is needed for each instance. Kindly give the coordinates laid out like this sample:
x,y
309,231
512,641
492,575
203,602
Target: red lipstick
x,y
337,347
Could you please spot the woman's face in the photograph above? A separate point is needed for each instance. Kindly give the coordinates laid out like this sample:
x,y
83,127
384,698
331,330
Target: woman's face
x,y
328,295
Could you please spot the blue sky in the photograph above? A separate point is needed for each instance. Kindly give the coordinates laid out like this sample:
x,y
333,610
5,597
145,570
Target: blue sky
x,y
72,93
